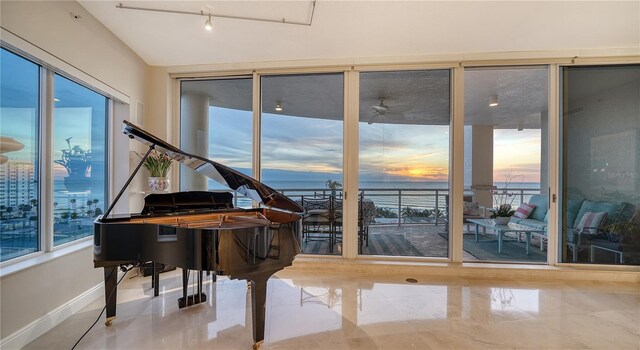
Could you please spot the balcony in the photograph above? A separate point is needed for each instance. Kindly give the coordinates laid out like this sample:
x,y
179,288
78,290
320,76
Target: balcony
x,y
414,222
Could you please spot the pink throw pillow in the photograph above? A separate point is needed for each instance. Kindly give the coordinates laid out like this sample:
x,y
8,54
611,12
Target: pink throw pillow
x,y
592,222
524,210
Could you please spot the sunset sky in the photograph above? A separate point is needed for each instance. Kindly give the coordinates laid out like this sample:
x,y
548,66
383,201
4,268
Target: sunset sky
x,y
387,151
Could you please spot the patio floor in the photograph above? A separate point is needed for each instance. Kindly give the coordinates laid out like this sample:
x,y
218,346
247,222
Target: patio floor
x,y
430,240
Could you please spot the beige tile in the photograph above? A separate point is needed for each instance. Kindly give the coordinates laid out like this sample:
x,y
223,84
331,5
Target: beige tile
x,y
333,311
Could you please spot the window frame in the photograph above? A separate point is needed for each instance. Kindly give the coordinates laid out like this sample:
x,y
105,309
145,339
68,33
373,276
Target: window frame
x,y
552,60
44,163
559,163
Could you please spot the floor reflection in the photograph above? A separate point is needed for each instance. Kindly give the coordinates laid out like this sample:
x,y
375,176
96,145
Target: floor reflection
x,y
510,299
332,311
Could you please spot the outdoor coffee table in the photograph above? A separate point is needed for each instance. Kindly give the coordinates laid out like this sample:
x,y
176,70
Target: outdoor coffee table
x,y
501,229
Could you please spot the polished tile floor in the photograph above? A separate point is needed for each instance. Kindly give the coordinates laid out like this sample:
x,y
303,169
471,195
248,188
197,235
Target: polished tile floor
x,y
331,311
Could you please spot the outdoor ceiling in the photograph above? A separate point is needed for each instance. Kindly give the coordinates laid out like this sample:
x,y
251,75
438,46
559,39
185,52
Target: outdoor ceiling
x,y
521,92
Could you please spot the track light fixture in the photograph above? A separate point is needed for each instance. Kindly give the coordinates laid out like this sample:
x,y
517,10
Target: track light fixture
x,y
207,24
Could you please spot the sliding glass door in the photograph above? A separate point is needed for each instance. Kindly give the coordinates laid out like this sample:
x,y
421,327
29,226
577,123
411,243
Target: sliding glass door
x,y
506,164
301,146
404,163
600,215
217,123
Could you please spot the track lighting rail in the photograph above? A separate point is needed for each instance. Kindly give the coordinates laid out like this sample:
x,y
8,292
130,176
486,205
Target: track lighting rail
x,y
203,14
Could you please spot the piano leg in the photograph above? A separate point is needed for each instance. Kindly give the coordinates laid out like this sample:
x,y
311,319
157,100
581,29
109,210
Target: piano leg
x,y
185,284
258,305
110,292
155,279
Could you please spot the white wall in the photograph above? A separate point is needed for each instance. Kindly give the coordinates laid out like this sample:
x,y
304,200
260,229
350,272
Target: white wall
x,y
87,50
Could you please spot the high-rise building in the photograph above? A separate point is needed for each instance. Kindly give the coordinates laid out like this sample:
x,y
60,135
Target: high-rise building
x,y
18,183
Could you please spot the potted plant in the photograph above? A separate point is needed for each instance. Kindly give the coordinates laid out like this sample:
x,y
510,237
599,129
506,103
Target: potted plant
x,y
158,165
624,233
501,215
333,186
77,161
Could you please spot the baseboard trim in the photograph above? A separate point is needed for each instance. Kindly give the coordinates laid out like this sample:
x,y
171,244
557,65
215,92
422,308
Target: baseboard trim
x,y
32,331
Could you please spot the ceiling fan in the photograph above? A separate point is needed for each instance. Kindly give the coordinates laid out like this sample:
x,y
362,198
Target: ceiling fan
x,y
381,110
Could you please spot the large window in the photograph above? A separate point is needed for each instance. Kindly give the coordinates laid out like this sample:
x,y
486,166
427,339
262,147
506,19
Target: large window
x,y
19,193
404,163
79,169
600,216
404,156
506,164
79,154
301,144
217,123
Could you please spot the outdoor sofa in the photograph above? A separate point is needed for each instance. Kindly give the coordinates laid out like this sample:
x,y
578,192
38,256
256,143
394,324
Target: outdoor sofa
x,y
588,237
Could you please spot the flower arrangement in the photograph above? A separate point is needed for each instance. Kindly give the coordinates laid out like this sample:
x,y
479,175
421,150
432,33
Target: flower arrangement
x,y
158,164
503,210
503,200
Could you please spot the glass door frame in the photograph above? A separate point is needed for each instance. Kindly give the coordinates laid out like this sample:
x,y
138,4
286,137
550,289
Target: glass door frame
x,y
350,146
558,161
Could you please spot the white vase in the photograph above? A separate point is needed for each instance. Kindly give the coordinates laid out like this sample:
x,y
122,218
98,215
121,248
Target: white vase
x,y
501,220
160,184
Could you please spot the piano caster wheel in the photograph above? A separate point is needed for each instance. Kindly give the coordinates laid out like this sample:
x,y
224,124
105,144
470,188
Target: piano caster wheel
x,y
249,287
256,346
109,321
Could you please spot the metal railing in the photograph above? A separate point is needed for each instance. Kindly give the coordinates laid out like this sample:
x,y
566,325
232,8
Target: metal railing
x,y
391,201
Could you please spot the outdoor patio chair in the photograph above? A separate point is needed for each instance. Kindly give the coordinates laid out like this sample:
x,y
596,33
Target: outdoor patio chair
x,y
317,222
366,212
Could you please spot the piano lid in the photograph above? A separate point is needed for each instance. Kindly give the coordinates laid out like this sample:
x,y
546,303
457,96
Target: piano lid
x,y
233,179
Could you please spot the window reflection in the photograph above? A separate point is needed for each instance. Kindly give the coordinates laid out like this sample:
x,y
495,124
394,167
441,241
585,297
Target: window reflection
x,y
515,300
600,217
79,169
19,109
403,302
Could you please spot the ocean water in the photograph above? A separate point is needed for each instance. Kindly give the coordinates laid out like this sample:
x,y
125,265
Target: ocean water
x,y
394,194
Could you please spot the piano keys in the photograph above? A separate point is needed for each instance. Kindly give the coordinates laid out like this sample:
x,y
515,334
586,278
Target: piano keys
x,y
201,231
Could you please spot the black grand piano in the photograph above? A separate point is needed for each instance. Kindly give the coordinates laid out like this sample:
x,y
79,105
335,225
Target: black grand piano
x,y
200,231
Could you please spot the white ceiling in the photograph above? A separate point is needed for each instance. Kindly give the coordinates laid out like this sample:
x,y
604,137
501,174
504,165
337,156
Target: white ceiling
x,y
348,29
345,29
